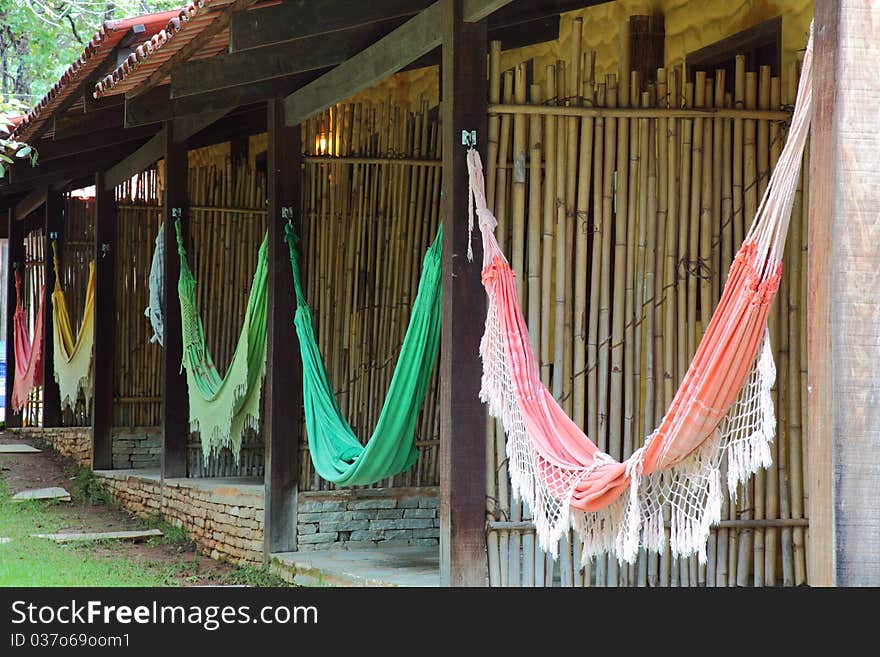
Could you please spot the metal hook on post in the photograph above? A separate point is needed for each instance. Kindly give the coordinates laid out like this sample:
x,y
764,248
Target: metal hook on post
x,y
469,138
53,235
287,214
105,249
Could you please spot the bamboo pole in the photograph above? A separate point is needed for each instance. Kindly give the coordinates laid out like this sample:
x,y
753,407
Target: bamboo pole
x,y
548,228
494,120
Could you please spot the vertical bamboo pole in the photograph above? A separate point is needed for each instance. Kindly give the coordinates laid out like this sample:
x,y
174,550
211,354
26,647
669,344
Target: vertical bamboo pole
x,y
494,120
595,272
548,229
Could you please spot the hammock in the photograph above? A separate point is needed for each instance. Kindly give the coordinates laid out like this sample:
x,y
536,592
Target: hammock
x,y
221,409
73,359
722,407
157,288
336,452
28,353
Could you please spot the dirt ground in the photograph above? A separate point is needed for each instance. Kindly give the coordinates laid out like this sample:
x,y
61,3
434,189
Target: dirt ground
x,y
185,566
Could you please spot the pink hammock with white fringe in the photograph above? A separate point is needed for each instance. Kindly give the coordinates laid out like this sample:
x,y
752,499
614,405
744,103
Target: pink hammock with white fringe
x,y
722,407
28,352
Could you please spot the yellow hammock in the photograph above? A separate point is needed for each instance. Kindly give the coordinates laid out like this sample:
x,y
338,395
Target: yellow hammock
x,y
73,358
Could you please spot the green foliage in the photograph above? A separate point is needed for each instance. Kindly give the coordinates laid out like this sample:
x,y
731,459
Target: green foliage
x,y
247,576
170,533
39,40
85,489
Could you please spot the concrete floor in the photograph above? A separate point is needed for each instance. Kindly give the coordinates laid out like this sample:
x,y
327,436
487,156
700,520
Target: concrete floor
x,y
394,566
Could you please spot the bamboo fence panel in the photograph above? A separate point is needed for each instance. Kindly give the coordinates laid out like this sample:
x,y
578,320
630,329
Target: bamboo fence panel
x,y
371,194
33,275
624,219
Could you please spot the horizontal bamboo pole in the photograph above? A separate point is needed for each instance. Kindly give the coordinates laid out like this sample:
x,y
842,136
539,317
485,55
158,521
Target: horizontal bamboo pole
x,y
642,112
527,526
423,162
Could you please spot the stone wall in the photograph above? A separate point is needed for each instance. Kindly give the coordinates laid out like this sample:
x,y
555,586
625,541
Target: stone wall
x,y
225,520
136,448
75,442
373,517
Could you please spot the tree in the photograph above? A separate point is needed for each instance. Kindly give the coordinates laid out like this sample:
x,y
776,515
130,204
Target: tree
x,y
38,41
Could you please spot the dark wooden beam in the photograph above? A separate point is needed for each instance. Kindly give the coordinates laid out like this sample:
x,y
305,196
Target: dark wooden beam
x,y
154,150
203,38
72,124
415,38
53,227
462,414
105,325
140,160
57,148
31,203
300,19
843,334
272,62
149,107
283,388
234,127
175,402
14,260
519,35
245,94
525,11
68,168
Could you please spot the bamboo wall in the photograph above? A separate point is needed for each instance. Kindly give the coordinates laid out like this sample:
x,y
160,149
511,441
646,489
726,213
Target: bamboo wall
x,y
33,275
371,209
622,231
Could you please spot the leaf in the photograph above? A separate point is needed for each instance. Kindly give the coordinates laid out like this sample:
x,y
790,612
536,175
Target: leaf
x,y
2,170
24,152
5,158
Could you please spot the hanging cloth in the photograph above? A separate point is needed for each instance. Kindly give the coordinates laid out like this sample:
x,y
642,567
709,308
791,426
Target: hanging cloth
x,y
28,352
221,408
157,288
73,358
722,407
336,452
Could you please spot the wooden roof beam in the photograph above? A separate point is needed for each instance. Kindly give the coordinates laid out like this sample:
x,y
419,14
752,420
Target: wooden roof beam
x,y
273,62
415,38
299,19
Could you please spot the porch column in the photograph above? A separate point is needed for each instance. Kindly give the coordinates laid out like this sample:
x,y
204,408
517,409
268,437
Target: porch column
x,y
53,228
843,331
105,325
462,414
283,387
14,259
175,403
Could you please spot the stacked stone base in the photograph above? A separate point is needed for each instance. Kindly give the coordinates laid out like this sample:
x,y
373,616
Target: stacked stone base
x,y
373,517
74,442
225,520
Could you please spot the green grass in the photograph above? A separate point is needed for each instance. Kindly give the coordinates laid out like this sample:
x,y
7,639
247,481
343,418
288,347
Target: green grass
x,y
27,561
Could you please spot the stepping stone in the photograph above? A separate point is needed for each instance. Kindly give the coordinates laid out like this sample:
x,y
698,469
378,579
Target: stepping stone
x,y
54,493
18,449
100,536
4,540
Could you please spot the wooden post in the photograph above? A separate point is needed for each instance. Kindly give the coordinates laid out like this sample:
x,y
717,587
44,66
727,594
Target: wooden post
x,y
842,303
53,228
105,325
283,368
14,258
462,415
175,403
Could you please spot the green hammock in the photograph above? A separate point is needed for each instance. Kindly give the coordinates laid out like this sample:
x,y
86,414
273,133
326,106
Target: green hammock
x,y
220,409
337,454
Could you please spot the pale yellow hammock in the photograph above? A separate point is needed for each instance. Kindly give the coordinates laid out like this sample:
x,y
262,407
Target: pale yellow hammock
x,y
722,408
73,357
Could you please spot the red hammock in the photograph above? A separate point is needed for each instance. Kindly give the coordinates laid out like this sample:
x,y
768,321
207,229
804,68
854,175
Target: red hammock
x,y
28,353
722,407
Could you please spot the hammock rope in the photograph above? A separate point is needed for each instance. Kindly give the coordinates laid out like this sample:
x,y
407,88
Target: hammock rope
x,y
28,352
722,407
222,408
336,452
73,357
